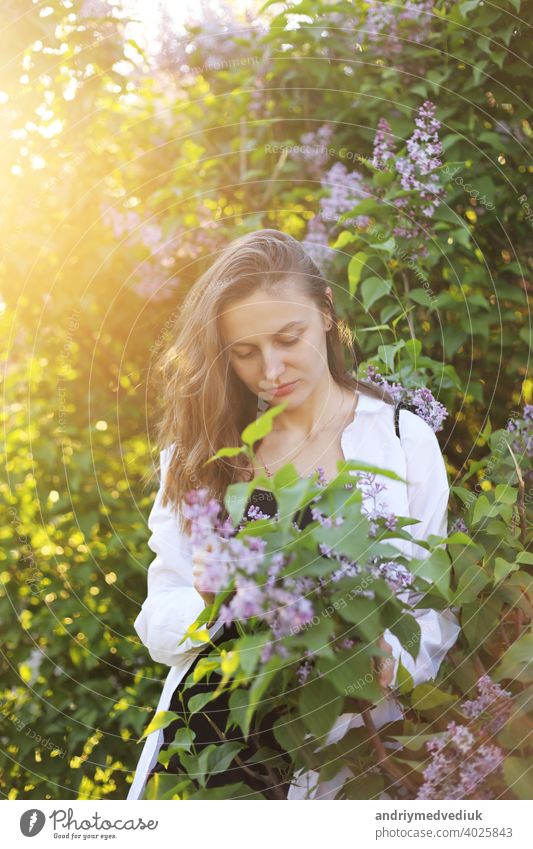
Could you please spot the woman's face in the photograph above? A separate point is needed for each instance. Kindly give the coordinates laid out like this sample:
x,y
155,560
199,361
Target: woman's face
x,y
274,339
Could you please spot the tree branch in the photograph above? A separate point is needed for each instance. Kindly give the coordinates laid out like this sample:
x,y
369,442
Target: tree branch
x,y
384,761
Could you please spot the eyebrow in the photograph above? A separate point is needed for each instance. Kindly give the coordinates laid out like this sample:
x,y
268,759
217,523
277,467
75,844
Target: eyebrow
x,y
276,333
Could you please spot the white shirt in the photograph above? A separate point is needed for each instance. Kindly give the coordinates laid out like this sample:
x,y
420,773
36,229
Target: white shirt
x,y
172,603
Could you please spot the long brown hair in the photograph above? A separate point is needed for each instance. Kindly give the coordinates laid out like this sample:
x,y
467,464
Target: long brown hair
x,y
204,404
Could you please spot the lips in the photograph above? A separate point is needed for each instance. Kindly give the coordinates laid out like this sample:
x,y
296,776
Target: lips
x,y
281,388
284,388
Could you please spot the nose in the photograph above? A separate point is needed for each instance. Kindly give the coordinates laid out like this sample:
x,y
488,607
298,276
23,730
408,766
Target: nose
x,y
273,367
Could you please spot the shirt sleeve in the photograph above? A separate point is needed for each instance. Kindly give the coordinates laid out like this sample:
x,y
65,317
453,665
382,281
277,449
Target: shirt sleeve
x,y
172,603
428,494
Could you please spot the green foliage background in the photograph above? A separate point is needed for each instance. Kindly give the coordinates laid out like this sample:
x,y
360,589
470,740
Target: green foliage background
x,y
92,122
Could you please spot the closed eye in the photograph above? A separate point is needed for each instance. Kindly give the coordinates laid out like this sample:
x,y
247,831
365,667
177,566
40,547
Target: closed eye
x,y
286,342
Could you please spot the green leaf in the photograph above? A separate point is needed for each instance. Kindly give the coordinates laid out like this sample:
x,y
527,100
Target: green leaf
x,y
238,703
505,493
352,674
366,206
416,742
525,557
286,476
203,667
502,569
236,499
471,583
459,538
407,629
517,661
518,775
320,705
199,701
364,615
483,509
480,620
290,733
388,247
198,635
224,452
427,696
435,568
374,288
387,353
160,720
355,269
183,741
221,756
262,425
250,648
421,296
257,690
344,238
404,680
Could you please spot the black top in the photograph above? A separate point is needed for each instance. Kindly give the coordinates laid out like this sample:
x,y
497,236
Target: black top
x,y
266,502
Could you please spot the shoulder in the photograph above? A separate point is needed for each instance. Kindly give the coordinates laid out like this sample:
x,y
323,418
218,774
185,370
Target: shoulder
x,y
369,407
415,429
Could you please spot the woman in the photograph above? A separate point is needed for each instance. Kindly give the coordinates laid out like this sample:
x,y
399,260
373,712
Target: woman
x,y
259,327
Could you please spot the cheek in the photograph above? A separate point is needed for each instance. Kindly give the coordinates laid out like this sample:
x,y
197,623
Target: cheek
x,y
313,352
244,369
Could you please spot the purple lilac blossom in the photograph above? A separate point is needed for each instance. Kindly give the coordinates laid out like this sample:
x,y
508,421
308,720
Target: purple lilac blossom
x,y
522,430
459,525
370,489
397,576
493,705
254,513
346,189
315,243
427,406
382,22
383,145
459,766
424,149
315,151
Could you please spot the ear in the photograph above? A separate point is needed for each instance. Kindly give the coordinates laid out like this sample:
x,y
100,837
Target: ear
x,y
329,295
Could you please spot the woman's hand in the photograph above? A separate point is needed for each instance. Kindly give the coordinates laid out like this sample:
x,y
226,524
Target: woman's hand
x,y
198,568
385,664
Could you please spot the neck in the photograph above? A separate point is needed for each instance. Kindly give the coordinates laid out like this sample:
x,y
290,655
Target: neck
x,y
313,413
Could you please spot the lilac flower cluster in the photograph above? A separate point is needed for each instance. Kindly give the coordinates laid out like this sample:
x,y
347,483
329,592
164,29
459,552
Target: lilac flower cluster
x,y
459,525
493,706
378,513
522,430
416,172
346,189
316,245
383,19
428,408
314,149
417,169
461,761
325,521
426,405
383,149
152,276
280,602
397,576
459,766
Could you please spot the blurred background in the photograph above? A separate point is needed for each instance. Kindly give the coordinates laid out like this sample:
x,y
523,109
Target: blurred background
x,y
137,139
